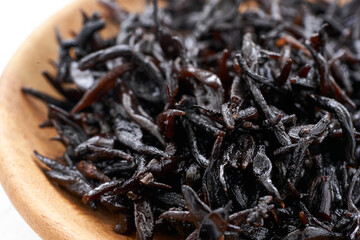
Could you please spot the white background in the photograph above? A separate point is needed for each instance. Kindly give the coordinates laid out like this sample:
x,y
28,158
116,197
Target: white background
x,y
18,19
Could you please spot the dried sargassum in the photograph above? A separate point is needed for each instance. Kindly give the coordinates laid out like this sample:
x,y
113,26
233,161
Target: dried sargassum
x,y
213,122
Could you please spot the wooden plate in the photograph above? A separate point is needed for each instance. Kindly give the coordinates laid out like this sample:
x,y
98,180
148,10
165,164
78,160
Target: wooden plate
x,y
51,212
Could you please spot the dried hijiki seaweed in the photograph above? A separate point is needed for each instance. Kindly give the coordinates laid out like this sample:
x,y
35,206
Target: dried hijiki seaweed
x,y
214,119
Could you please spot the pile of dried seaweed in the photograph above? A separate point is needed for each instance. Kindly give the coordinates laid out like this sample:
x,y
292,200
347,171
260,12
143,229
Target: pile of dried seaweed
x,y
219,118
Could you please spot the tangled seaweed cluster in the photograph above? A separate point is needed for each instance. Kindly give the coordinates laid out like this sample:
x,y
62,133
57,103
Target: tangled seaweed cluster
x,y
214,118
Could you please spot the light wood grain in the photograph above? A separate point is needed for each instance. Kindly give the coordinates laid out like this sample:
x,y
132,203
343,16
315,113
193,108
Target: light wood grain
x,y
51,212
